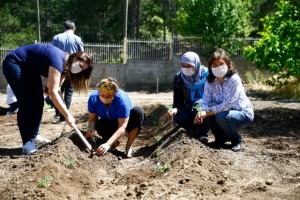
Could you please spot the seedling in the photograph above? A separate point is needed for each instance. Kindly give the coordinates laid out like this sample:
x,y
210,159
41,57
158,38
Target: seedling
x,y
45,182
198,108
159,153
68,162
163,168
170,107
158,138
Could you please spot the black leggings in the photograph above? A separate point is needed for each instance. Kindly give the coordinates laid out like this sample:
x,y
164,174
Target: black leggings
x,y
106,128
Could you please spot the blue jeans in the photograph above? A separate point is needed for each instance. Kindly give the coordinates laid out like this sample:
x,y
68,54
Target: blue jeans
x,y
185,119
224,125
28,89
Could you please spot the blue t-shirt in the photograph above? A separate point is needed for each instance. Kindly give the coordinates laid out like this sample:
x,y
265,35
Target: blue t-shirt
x,y
119,108
37,58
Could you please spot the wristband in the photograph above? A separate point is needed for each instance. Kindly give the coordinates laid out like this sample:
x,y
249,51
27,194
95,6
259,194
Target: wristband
x,y
90,126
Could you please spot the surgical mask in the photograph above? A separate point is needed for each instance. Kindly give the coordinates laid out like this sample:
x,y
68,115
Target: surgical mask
x,y
75,68
106,101
220,71
188,71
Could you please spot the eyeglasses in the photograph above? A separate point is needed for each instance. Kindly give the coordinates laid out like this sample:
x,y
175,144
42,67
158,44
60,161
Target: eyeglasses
x,y
107,87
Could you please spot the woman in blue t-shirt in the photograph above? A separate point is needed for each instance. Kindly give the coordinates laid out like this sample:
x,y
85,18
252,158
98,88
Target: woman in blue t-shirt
x,y
111,113
23,68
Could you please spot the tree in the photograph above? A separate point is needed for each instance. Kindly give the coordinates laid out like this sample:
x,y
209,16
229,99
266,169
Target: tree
x,y
279,46
215,21
16,30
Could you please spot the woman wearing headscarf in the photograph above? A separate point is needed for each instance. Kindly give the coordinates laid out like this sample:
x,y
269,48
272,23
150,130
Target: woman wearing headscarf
x,y
188,93
23,68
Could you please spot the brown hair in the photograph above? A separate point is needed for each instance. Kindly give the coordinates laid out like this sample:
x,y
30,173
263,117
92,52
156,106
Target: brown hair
x,y
80,81
220,54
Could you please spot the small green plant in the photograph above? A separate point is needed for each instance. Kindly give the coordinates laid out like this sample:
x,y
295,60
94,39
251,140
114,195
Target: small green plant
x,y
198,107
170,107
45,182
158,138
159,153
68,162
163,168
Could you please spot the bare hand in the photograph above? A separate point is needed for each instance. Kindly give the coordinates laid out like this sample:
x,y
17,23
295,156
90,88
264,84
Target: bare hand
x,y
199,117
70,121
171,113
103,148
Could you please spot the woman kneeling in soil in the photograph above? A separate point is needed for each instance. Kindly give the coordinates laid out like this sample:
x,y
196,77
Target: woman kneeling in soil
x,y
225,104
23,68
111,114
188,92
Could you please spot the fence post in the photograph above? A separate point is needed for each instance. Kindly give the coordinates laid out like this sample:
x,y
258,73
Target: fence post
x,y
171,49
125,50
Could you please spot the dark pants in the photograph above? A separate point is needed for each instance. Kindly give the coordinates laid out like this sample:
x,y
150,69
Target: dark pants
x,y
28,89
13,107
67,93
185,119
49,101
106,128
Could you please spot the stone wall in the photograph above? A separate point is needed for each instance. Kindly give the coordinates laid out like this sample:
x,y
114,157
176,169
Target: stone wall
x,y
146,75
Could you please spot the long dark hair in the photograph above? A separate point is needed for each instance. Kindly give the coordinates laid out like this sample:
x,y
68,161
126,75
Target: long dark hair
x,y
80,81
220,54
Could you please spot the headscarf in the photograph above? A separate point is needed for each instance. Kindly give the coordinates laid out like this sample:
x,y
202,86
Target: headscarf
x,y
193,59
195,82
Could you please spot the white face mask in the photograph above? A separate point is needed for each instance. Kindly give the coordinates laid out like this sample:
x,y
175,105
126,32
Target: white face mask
x,y
106,101
188,71
220,71
75,68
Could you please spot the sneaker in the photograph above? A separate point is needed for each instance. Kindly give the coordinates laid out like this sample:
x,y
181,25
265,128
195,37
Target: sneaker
x,y
40,140
203,139
56,116
236,147
29,148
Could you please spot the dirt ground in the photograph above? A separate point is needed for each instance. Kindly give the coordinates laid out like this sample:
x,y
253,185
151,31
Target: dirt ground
x,y
167,163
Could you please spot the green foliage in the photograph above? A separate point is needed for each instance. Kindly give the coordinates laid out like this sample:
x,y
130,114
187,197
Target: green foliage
x,y
158,138
163,168
45,182
279,47
68,162
12,34
215,21
159,153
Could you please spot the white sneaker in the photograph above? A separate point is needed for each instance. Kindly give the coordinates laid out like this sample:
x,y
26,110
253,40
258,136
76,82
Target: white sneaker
x,y
40,140
29,148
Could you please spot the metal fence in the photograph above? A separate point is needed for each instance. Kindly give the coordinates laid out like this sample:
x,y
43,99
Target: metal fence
x,y
152,49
